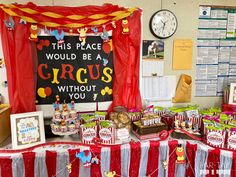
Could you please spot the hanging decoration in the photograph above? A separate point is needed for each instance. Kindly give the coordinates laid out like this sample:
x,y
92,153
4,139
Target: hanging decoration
x,y
180,154
82,35
10,24
59,35
85,157
70,32
95,160
125,26
34,32
22,21
110,174
94,29
105,61
105,35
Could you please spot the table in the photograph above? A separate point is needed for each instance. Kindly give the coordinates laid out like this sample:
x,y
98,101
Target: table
x,y
134,159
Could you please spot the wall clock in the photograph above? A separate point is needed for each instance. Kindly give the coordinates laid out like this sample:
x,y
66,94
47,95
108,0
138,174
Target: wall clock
x,y
163,24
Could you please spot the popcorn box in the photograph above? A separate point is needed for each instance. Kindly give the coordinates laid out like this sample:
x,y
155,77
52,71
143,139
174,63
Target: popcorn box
x,y
216,138
194,117
231,140
100,115
180,117
86,118
159,110
168,119
88,132
106,132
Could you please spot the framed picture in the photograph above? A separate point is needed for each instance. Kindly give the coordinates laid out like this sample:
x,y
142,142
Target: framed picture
x,y
232,94
27,129
153,49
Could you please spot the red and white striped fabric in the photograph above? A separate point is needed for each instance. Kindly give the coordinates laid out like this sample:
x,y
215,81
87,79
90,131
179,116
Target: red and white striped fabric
x,y
127,160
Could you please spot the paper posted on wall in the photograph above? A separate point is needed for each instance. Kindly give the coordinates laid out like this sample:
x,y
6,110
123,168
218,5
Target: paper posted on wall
x,y
159,89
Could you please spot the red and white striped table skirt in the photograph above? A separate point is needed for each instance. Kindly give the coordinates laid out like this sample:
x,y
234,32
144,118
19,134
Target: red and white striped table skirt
x,y
136,159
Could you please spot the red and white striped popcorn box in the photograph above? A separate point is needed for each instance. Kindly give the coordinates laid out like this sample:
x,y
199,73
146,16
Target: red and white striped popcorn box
x,y
107,134
87,134
180,117
216,138
196,120
233,116
231,140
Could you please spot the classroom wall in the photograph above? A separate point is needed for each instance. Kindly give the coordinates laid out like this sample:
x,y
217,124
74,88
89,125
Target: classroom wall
x,y
186,12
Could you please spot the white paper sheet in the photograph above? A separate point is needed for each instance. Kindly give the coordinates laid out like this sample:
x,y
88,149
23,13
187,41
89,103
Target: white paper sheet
x,y
153,67
231,25
212,34
159,88
203,23
219,13
207,55
206,88
204,72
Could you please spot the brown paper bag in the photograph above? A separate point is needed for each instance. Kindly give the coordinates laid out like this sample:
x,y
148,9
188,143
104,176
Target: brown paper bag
x,y
183,90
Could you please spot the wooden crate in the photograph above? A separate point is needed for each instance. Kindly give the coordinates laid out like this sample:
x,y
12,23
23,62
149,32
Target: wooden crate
x,y
5,128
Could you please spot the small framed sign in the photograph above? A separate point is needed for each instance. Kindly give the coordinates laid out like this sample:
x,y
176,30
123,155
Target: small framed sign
x,y
27,129
232,94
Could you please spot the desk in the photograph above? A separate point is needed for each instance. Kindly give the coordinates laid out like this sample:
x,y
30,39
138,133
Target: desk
x,y
135,159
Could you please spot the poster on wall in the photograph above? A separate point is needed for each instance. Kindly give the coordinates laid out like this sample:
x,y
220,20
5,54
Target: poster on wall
x,y
82,73
153,49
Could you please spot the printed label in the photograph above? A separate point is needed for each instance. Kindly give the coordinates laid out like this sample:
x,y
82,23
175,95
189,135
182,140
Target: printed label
x,y
89,134
232,141
105,134
215,138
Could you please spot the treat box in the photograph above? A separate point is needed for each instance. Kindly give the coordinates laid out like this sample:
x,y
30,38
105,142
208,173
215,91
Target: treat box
x,y
231,140
5,130
144,130
145,137
216,138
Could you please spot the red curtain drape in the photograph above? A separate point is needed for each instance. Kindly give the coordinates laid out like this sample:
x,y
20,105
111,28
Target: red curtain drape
x,y
20,58
19,65
126,64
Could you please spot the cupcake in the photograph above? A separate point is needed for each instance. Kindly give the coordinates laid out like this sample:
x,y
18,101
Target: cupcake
x,y
73,114
63,128
55,128
57,114
71,127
